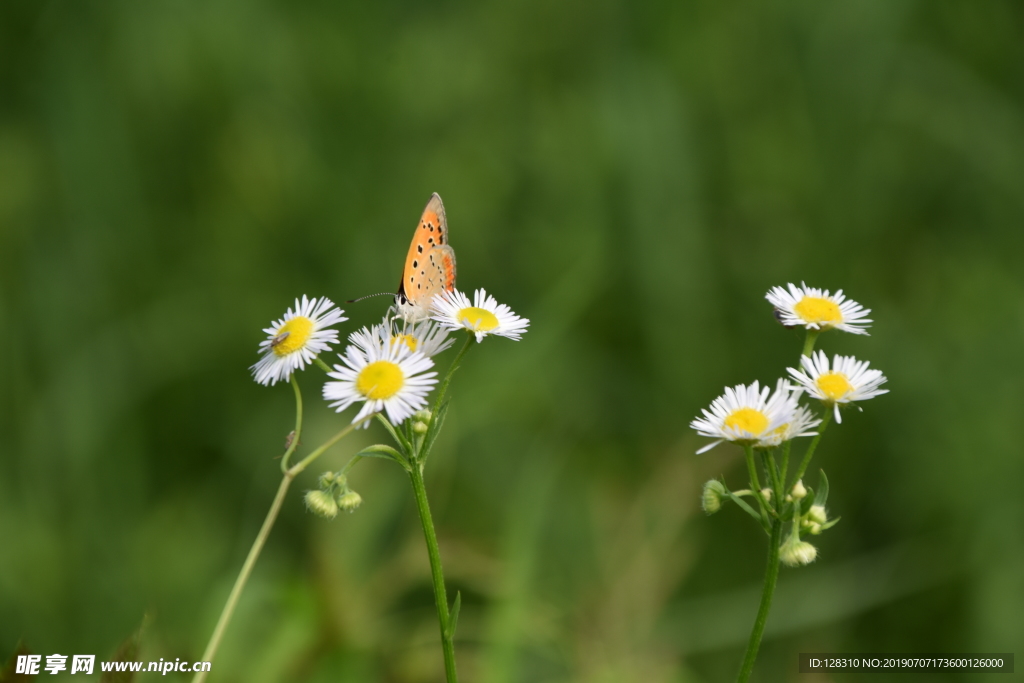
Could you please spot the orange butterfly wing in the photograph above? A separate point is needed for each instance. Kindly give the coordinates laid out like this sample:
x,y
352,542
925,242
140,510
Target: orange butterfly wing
x,y
430,263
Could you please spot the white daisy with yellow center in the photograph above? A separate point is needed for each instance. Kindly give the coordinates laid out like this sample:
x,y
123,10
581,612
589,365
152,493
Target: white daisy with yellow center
x,y
847,380
296,339
393,379
816,309
800,423
754,416
427,337
483,317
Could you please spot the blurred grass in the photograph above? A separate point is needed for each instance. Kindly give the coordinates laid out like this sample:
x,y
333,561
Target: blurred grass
x,y
632,178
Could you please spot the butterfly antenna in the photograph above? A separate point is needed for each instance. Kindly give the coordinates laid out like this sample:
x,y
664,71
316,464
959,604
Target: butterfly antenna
x,y
370,296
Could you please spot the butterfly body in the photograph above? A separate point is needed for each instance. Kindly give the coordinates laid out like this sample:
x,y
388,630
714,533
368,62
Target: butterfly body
x,y
429,265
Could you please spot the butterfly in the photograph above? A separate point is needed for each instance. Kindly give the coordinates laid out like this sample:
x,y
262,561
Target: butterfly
x,y
429,265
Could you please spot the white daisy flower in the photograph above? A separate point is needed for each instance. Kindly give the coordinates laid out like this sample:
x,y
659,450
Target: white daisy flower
x,y
816,309
296,339
751,415
800,422
392,379
428,337
847,381
484,316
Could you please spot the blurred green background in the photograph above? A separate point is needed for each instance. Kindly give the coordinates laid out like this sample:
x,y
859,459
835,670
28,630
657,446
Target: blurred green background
x,y
632,177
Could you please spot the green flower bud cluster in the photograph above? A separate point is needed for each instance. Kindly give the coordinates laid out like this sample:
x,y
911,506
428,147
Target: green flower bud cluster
x,y
421,422
803,507
333,496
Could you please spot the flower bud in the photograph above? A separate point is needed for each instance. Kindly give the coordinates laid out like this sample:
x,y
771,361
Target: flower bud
x,y
350,501
798,490
796,553
711,499
421,421
321,504
329,479
767,494
817,514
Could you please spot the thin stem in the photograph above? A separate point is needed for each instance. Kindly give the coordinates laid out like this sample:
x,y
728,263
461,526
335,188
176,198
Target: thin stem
x,y
305,462
440,596
322,365
785,462
297,432
403,444
825,419
755,483
351,463
243,576
261,538
773,474
771,575
812,336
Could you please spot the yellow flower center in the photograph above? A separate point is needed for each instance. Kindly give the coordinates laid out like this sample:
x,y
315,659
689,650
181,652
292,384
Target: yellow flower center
x,y
834,385
407,339
296,333
478,319
381,379
817,310
747,419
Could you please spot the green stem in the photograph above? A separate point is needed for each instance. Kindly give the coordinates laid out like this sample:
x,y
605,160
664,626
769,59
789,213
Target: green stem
x,y
298,426
812,336
440,596
825,419
305,462
773,474
322,365
243,576
755,483
261,537
770,577
785,462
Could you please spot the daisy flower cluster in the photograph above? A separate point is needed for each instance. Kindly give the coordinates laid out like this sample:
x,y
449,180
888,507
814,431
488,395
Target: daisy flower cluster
x,y
765,422
387,367
386,373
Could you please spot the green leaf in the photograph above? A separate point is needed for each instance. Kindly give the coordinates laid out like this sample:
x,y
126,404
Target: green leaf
x,y
453,616
742,503
823,490
382,451
830,523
